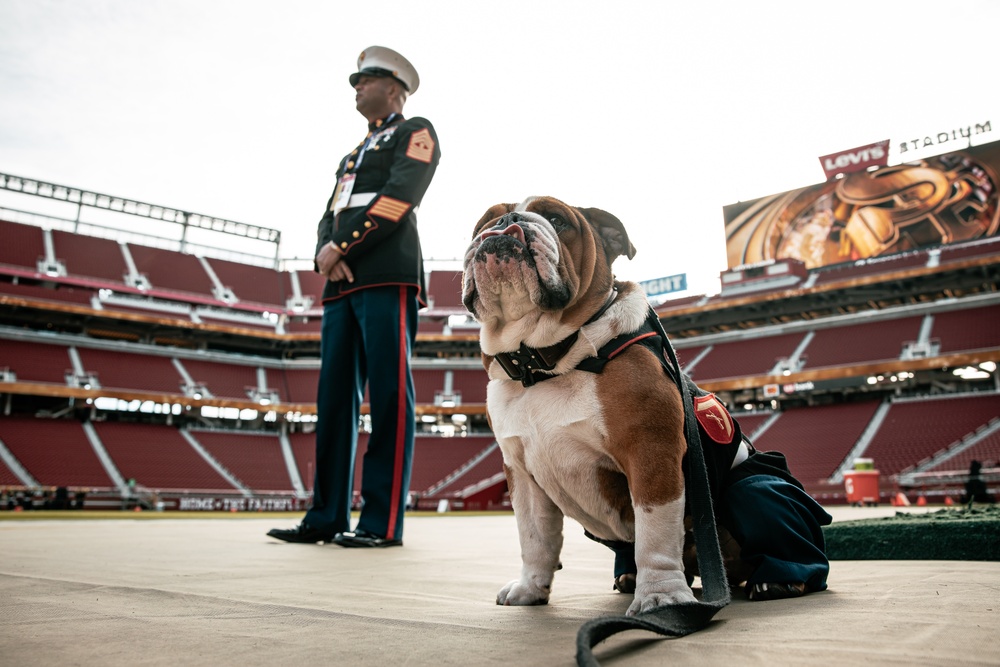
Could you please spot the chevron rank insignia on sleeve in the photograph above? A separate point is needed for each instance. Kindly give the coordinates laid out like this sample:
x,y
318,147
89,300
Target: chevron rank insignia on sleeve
x,y
421,146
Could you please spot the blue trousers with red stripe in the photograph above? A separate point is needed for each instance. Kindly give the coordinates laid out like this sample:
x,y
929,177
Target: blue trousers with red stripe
x,y
367,337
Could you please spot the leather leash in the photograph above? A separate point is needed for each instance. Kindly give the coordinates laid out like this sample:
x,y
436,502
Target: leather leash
x,y
680,619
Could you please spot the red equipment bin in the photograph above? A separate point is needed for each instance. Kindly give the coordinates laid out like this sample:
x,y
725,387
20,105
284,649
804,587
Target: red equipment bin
x,y
861,487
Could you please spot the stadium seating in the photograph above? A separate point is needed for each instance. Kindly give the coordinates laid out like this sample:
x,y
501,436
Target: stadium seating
x,y
435,458
986,451
169,271
430,326
445,290
300,325
158,457
427,383
253,458
484,469
304,451
858,343
685,355
55,452
125,370
966,330
753,356
816,440
298,385
36,362
311,284
749,423
90,257
251,283
471,384
55,292
914,430
7,477
221,379
22,245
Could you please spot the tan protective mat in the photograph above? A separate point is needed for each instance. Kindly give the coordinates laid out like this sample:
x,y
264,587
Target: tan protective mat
x,y
218,592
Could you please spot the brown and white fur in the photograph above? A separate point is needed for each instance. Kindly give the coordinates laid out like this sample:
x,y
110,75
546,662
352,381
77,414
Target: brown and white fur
x,y
604,449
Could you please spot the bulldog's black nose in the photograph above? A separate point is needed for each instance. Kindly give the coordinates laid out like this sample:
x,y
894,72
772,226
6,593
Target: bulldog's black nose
x,y
507,220
507,225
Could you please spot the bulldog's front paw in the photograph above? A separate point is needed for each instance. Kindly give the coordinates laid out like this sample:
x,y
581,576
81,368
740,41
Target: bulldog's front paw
x,y
671,588
519,593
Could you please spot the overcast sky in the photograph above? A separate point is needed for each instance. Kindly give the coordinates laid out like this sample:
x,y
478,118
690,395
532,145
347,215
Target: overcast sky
x,y
659,112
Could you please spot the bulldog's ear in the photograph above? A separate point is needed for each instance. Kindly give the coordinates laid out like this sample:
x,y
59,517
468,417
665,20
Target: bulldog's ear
x,y
492,213
611,231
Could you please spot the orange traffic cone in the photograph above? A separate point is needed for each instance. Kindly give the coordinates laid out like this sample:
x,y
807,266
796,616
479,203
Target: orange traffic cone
x,y
921,501
901,500
948,501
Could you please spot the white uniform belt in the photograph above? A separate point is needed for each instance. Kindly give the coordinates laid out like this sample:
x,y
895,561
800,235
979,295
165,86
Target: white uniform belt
x,y
742,454
361,199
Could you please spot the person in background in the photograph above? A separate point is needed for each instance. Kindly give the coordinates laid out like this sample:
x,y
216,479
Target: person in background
x,y
975,487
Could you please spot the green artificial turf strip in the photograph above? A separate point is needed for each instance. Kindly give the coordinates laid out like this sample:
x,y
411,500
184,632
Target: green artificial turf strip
x,y
948,534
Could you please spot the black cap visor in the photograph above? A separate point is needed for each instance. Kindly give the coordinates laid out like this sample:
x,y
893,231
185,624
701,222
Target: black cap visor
x,y
378,72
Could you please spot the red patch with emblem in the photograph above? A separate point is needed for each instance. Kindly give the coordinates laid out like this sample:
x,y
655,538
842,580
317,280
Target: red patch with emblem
x,y
714,418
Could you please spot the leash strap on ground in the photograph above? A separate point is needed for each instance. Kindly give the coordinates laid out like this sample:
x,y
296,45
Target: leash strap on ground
x,y
681,619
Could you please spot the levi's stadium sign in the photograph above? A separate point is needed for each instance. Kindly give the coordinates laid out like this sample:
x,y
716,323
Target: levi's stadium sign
x,y
856,159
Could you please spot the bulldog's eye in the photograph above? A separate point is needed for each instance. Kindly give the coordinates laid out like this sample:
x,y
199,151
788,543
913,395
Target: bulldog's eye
x,y
558,222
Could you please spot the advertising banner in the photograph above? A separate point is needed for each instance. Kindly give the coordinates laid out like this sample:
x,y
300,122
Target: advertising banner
x,y
665,285
937,200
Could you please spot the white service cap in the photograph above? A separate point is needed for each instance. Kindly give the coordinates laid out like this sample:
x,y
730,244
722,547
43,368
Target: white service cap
x,y
380,61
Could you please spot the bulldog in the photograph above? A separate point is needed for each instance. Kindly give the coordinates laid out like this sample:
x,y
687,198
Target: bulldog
x,y
590,424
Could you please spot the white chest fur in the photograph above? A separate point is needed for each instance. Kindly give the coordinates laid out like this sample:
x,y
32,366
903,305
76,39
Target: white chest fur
x,y
553,435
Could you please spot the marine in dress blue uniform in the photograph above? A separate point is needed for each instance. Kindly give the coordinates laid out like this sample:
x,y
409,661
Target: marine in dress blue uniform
x,y
369,248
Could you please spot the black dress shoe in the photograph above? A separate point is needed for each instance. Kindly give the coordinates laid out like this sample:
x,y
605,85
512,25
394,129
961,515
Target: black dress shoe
x,y
301,533
364,539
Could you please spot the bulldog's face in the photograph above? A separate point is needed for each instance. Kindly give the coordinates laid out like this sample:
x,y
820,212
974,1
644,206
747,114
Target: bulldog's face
x,y
536,271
